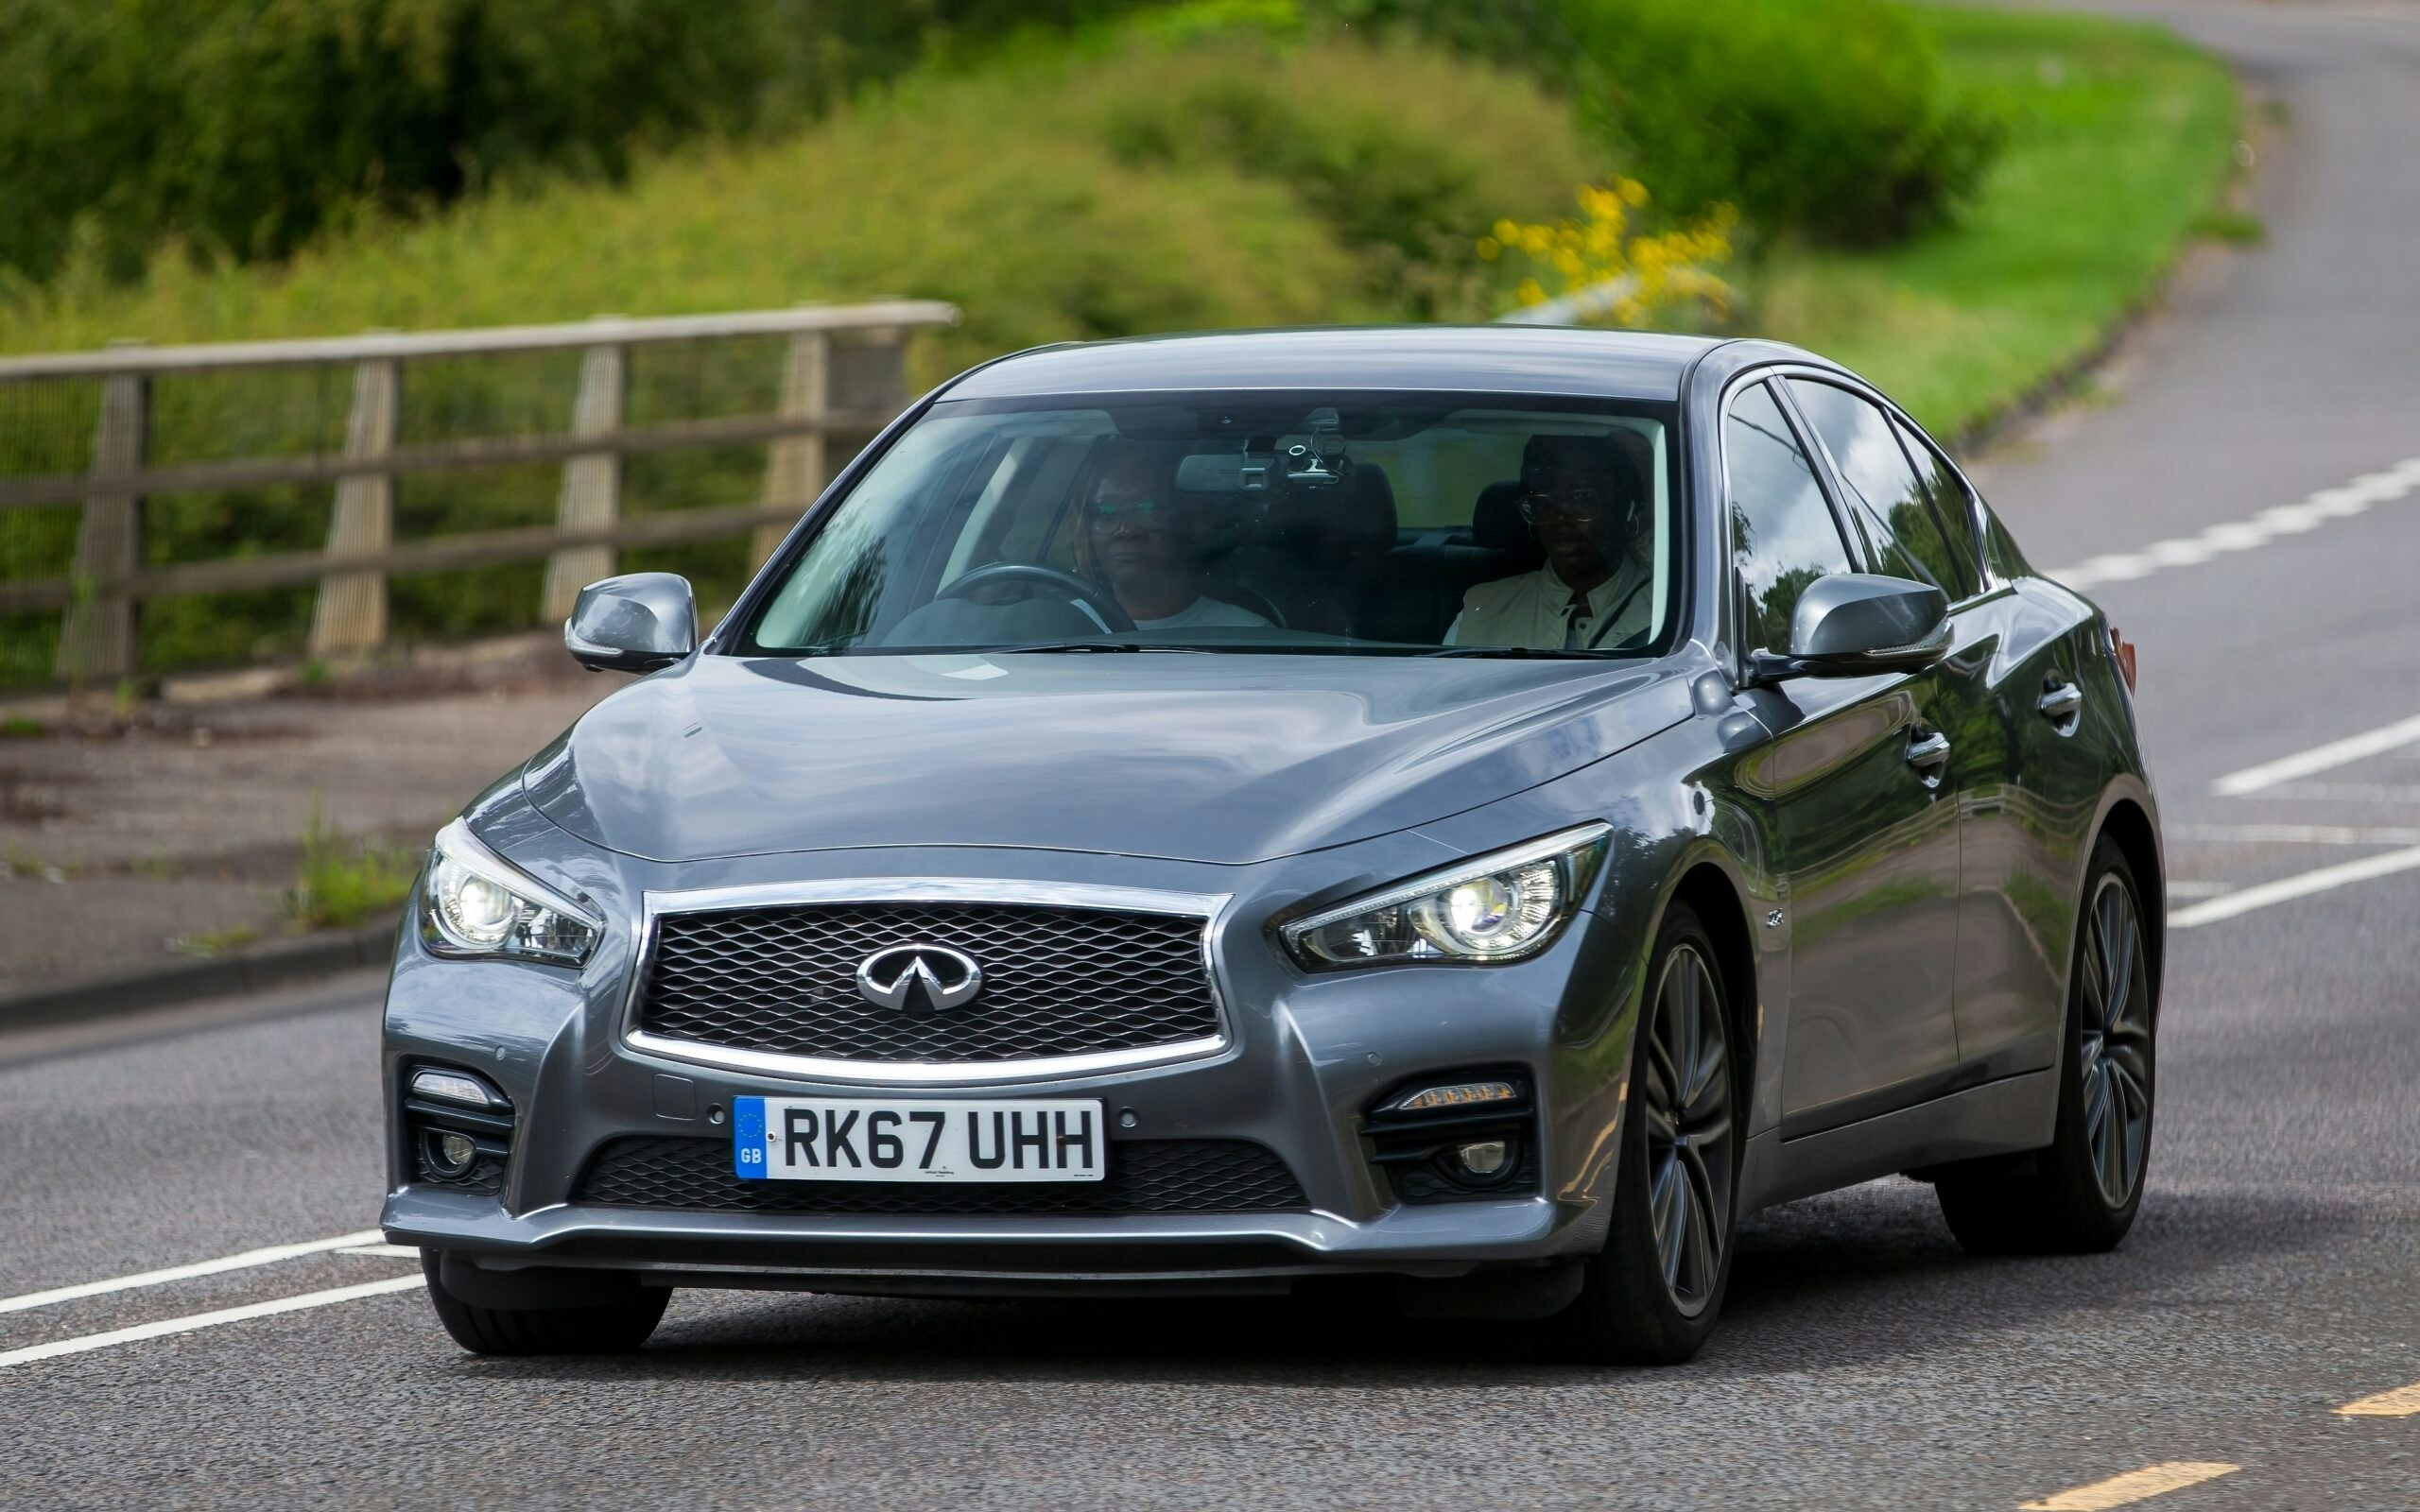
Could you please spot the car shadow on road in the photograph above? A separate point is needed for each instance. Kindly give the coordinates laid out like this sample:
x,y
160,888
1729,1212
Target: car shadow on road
x,y
1855,1278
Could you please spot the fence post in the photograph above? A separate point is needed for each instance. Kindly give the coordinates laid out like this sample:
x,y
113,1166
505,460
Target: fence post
x,y
796,468
98,638
592,489
351,613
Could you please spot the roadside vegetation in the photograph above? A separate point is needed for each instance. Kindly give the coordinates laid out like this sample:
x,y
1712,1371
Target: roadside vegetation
x,y
1956,201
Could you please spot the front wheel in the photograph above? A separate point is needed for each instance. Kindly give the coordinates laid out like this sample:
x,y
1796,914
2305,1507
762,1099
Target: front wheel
x,y
1651,1295
2085,1188
607,1320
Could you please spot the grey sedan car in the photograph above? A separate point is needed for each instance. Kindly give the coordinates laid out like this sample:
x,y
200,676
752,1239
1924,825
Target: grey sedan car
x,y
1471,812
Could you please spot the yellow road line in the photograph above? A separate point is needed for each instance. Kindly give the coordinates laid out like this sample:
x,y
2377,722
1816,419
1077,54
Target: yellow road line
x,y
2400,1403
2132,1486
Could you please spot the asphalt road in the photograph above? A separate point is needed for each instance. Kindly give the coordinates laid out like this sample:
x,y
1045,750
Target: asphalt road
x,y
1865,1361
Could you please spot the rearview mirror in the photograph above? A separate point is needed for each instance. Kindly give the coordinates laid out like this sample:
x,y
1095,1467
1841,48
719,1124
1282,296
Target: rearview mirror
x,y
1852,624
635,623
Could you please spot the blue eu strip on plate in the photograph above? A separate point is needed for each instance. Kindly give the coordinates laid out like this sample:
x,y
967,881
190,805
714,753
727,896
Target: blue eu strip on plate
x,y
748,1138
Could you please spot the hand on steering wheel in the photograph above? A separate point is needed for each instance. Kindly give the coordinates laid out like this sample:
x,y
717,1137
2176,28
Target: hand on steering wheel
x,y
1089,595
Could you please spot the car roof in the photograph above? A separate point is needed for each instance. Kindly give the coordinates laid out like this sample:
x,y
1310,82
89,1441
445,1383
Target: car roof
x,y
1508,359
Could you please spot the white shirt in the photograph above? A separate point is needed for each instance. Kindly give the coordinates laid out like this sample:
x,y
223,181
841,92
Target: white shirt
x,y
1204,612
1533,610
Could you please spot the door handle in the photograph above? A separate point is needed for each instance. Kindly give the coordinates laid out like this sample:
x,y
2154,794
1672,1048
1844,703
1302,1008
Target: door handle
x,y
2061,700
1928,754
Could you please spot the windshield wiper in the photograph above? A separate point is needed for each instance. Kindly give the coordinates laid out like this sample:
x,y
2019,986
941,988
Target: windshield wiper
x,y
1514,653
1093,646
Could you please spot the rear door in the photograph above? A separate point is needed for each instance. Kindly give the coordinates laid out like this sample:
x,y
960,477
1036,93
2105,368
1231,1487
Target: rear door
x,y
1865,842
2028,813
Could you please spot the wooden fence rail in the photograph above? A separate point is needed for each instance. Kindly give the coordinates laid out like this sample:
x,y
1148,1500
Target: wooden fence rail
x,y
109,581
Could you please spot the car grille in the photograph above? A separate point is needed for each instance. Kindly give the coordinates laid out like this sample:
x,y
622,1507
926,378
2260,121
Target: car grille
x,y
1056,982
1143,1175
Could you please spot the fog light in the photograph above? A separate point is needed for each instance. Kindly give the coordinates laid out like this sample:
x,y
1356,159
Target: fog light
x,y
450,1154
1481,1158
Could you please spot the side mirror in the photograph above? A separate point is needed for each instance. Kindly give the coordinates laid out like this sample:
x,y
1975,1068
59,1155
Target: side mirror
x,y
1852,624
635,623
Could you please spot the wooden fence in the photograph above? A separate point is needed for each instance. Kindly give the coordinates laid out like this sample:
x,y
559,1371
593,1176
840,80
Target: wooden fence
x,y
841,373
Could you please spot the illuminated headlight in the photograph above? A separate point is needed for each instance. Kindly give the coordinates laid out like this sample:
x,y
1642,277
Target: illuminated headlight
x,y
477,904
1496,907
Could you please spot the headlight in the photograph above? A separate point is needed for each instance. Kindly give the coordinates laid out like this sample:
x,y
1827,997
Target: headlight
x,y
1495,907
477,904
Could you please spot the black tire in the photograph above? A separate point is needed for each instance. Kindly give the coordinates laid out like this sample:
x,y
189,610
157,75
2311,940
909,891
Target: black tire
x,y
1644,1301
2061,1201
613,1328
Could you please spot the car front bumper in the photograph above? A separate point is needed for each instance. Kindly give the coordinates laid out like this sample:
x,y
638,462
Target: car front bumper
x,y
1305,1056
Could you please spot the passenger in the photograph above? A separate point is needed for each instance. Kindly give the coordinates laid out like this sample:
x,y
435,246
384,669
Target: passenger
x,y
1147,545
1581,496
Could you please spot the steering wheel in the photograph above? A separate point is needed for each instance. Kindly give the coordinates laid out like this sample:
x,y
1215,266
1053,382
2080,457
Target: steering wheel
x,y
1103,607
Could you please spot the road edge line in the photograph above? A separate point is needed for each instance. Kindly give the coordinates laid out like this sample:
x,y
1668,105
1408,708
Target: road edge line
x,y
84,1344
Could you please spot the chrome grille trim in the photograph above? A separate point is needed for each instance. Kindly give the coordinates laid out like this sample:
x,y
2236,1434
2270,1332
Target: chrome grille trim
x,y
1210,907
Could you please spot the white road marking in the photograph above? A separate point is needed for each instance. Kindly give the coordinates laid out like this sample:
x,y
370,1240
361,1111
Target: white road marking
x,y
2297,834
250,1258
2400,1403
2319,758
206,1320
2183,888
2345,793
2132,1486
384,1251
2340,503
2285,890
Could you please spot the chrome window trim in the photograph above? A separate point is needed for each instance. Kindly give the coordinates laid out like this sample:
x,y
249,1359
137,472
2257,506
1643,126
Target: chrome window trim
x,y
1211,907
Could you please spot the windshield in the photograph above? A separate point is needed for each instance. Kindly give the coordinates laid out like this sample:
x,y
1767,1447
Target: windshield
x,y
1340,524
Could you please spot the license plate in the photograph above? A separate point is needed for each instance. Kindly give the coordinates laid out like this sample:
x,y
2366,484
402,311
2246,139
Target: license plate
x,y
822,1139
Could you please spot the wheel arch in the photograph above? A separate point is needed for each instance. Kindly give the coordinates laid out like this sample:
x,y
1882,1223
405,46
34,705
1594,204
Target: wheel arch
x,y
2128,827
1715,898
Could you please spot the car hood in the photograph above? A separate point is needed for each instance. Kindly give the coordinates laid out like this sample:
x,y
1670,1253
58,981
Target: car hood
x,y
1215,758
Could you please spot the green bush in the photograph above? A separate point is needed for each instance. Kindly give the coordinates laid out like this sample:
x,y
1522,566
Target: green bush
x,y
1831,119
243,126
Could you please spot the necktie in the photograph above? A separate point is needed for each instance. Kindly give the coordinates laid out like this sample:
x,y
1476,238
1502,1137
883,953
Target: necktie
x,y
1575,622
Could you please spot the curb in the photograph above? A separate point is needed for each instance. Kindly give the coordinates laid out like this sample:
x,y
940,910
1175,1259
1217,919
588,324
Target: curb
x,y
154,986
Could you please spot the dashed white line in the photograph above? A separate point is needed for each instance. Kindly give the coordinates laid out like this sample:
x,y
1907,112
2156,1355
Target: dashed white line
x,y
2244,900
2340,503
165,1327
2297,834
250,1258
2134,1486
2319,758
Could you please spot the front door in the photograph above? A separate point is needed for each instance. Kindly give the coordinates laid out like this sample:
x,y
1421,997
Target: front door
x,y
1861,808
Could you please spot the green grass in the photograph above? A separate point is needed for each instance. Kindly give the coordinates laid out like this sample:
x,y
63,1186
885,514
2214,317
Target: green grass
x,y
2120,152
344,883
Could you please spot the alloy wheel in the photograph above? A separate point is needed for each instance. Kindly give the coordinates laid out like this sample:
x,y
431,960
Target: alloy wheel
x,y
1688,1128
2113,1052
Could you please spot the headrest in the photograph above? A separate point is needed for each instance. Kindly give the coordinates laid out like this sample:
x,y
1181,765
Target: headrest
x,y
1496,520
1356,518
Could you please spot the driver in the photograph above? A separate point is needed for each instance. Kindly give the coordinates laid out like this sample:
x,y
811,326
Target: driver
x,y
1146,542
1581,496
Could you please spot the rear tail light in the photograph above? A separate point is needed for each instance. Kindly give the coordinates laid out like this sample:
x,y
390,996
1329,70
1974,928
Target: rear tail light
x,y
2122,651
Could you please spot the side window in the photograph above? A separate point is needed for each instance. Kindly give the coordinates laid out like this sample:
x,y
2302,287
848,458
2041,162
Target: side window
x,y
1953,509
1885,497
1783,536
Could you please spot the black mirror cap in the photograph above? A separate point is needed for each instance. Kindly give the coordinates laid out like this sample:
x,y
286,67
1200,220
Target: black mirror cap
x,y
635,623
1855,624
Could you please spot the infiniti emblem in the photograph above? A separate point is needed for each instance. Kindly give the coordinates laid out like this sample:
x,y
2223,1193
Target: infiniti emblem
x,y
919,979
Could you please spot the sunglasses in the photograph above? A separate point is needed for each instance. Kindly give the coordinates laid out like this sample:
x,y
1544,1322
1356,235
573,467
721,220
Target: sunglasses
x,y
1585,504
1144,512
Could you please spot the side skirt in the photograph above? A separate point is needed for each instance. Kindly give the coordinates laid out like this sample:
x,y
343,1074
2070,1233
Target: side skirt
x,y
1997,1118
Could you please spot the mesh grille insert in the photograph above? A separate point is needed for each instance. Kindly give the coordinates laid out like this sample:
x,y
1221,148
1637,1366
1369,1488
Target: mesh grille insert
x,y
1055,981
1145,1176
